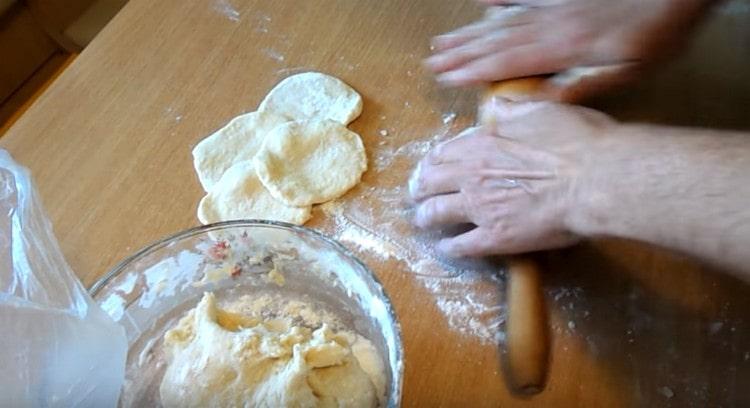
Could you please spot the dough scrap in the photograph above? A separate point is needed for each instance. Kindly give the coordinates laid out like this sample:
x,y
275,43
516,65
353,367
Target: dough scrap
x,y
239,194
309,162
220,358
313,95
238,140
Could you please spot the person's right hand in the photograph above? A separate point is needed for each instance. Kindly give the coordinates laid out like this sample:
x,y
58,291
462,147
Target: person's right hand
x,y
522,38
519,181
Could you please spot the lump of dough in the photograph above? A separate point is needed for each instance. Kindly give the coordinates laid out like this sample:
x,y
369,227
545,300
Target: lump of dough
x,y
313,95
311,161
217,358
239,194
238,140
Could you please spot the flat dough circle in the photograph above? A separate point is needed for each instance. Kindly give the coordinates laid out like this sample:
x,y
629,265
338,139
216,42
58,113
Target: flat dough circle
x,y
239,140
239,194
311,161
313,95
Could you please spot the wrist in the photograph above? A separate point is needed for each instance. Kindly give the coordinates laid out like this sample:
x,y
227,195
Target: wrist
x,y
593,196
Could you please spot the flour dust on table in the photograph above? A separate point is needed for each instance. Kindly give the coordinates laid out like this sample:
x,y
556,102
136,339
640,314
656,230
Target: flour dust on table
x,y
376,224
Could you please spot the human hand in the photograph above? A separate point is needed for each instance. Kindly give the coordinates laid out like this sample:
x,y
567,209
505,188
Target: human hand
x,y
518,181
591,44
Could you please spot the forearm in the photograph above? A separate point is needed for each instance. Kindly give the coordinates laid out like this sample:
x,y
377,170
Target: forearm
x,y
684,189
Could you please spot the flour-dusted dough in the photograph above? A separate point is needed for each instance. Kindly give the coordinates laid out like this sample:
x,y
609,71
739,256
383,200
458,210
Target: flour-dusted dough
x,y
312,95
239,140
239,194
217,358
311,161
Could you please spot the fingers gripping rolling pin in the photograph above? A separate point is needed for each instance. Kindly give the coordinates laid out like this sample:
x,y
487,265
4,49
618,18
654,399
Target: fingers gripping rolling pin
x,y
527,338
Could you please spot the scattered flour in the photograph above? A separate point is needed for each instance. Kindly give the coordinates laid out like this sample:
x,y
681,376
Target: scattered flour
x,y
172,112
272,306
365,240
666,392
414,150
261,23
469,306
448,118
227,9
470,300
469,294
274,54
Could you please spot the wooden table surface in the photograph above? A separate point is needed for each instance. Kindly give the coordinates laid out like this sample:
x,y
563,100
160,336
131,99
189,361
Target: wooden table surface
x,y
109,148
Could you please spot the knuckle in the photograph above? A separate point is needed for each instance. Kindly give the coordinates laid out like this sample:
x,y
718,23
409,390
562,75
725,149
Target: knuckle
x,y
546,107
416,183
473,184
477,248
469,50
498,221
453,57
430,208
426,212
437,155
483,138
578,33
454,248
501,236
473,130
483,163
434,156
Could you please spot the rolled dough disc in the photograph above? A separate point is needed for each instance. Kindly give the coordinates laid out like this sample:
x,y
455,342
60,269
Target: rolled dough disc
x,y
239,194
239,140
311,161
313,95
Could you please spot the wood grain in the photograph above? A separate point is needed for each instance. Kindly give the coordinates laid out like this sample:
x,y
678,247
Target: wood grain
x,y
109,147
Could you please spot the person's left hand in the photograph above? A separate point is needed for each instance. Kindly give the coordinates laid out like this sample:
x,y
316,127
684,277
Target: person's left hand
x,y
517,182
586,45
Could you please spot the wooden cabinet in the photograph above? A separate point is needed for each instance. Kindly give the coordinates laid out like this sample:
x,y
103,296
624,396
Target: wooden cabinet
x,y
24,47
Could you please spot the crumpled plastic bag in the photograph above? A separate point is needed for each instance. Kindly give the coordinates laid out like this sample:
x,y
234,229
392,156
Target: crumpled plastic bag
x,y
57,346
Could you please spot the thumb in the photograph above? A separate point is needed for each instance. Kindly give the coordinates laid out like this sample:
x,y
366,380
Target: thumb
x,y
499,109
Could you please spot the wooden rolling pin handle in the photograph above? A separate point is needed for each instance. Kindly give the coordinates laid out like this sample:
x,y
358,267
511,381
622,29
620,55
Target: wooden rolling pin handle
x,y
527,339
527,331
513,89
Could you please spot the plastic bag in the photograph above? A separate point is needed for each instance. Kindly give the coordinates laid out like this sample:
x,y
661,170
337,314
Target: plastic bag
x,y
57,346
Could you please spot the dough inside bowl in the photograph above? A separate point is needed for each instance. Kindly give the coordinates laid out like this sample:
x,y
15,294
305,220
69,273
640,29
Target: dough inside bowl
x,y
217,357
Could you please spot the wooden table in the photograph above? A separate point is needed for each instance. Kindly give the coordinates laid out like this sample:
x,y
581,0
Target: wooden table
x,y
109,147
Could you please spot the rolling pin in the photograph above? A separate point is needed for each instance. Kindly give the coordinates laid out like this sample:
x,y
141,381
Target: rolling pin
x,y
527,338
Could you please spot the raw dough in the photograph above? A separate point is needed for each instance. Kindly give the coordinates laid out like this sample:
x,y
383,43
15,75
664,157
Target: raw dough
x,y
220,359
311,161
313,95
239,194
239,140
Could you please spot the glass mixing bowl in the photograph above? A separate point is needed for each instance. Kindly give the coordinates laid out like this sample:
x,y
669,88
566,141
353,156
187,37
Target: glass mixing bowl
x,y
148,292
